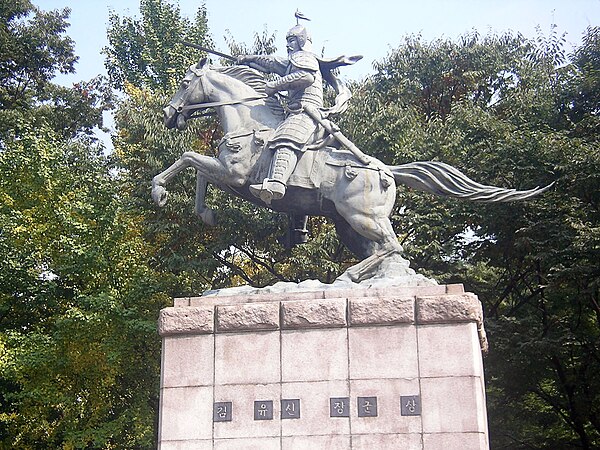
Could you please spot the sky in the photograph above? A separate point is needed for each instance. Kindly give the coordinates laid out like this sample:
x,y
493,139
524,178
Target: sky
x,y
351,27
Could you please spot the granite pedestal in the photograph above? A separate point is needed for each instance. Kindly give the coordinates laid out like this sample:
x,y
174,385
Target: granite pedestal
x,y
358,369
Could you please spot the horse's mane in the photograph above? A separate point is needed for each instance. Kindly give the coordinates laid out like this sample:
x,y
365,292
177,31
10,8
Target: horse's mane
x,y
252,77
256,80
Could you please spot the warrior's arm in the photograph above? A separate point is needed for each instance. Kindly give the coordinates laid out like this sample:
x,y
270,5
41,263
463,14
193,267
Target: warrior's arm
x,y
295,80
264,63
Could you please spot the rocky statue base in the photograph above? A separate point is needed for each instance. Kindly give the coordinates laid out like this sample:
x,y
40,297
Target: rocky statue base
x,y
370,368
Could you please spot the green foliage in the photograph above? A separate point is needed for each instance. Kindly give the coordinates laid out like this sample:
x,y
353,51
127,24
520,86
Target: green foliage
x,y
510,112
33,49
88,260
264,44
77,309
584,96
78,303
149,52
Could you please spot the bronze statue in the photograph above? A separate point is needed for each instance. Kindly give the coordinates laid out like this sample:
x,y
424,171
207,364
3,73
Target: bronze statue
x,y
294,159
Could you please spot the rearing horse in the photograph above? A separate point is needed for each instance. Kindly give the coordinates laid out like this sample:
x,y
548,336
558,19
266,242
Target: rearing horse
x,y
330,182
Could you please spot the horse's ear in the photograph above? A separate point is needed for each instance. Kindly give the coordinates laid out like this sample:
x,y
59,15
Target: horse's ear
x,y
201,63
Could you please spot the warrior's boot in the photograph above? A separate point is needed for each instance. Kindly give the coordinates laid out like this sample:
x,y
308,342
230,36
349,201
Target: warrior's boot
x,y
273,187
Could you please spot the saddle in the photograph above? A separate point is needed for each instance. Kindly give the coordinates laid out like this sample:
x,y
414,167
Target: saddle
x,y
312,158
309,173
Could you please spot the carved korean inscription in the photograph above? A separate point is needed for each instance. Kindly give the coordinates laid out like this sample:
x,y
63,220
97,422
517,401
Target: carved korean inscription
x,y
410,405
339,407
263,410
222,412
367,406
290,408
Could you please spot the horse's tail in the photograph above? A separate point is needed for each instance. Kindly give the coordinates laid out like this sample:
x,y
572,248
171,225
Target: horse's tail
x,y
444,180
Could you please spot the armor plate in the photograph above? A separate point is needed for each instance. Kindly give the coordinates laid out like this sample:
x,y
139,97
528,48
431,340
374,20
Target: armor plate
x,y
305,60
295,132
312,94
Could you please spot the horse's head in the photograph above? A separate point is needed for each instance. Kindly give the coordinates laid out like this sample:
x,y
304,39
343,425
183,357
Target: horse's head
x,y
237,93
190,92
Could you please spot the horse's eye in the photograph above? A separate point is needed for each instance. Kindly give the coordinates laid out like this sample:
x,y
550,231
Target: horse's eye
x,y
185,84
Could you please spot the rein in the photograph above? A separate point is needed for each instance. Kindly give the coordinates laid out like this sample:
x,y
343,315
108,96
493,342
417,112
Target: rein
x,y
200,106
196,106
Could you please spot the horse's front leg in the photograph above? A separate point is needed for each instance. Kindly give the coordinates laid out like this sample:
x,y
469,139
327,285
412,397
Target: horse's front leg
x,y
211,169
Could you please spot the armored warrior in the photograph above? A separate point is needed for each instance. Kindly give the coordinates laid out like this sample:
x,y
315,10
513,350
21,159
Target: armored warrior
x,y
301,77
361,188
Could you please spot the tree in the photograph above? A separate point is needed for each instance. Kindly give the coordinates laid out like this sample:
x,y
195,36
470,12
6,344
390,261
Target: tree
x,y
78,304
78,309
585,88
149,52
33,49
513,112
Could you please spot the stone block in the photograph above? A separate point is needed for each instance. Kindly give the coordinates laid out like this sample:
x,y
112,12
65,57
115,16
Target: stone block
x,y
243,424
316,313
386,292
187,360
244,358
455,288
314,409
194,444
449,308
388,393
455,441
248,444
186,413
383,352
388,441
186,320
181,302
316,442
314,355
237,299
453,405
381,311
247,317
449,350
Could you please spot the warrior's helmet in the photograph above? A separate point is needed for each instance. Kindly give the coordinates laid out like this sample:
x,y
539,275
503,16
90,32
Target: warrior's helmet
x,y
300,33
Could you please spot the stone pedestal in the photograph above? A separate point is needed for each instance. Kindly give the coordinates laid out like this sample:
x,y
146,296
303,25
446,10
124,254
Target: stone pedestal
x,y
361,369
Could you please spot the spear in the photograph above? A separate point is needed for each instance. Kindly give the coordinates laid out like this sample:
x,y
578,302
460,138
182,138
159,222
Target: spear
x,y
208,50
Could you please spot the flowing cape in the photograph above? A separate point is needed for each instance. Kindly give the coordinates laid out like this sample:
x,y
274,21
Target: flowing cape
x,y
343,94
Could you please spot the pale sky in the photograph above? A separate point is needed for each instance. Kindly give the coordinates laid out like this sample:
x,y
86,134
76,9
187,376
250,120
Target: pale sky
x,y
351,27
370,28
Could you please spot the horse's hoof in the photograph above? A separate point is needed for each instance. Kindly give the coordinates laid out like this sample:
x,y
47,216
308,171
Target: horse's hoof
x,y
353,274
160,195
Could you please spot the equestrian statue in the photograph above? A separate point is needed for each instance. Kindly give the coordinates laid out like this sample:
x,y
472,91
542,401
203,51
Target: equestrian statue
x,y
281,150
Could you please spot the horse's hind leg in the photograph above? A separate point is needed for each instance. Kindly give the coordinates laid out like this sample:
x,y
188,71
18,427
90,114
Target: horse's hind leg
x,y
377,228
359,245
378,242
